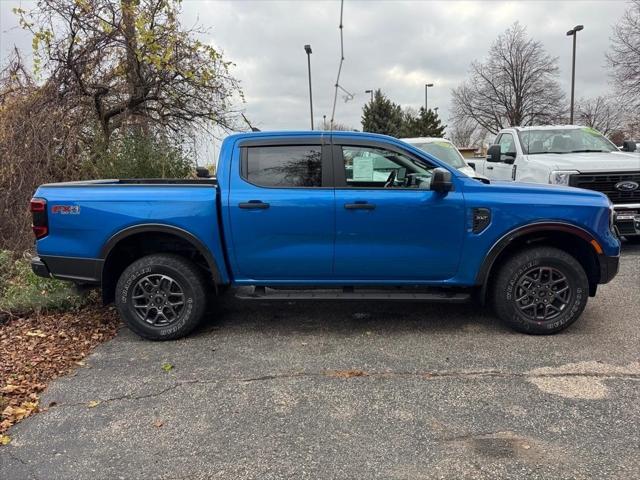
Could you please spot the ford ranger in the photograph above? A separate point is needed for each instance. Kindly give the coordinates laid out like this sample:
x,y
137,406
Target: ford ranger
x,y
284,220
570,155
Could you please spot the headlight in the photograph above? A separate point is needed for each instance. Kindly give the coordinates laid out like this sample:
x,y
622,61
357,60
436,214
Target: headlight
x,y
561,177
612,218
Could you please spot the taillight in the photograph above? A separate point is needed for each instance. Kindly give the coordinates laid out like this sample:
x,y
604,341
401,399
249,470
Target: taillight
x,y
40,220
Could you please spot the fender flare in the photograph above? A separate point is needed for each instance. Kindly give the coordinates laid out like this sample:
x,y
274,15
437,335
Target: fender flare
x,y
163,228
506,240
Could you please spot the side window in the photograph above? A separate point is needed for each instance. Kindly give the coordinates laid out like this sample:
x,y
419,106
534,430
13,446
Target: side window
x,y
507,144
379,168
284,166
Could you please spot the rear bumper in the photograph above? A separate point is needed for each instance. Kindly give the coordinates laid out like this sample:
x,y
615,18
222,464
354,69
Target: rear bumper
x,y
73,269
608,268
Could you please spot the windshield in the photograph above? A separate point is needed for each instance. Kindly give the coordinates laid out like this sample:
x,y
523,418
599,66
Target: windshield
x,y
444,151
564,140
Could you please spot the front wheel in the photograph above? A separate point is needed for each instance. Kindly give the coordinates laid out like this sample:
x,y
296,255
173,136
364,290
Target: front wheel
x,y
541,290
161,297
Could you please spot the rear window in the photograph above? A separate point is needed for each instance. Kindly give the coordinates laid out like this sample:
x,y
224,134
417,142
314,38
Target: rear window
x,y
285,166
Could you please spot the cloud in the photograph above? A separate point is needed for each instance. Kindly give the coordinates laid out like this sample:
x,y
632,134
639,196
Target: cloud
x,y
393,45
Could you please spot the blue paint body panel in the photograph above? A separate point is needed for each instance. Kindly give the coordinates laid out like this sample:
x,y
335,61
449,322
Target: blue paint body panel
x,y
306,237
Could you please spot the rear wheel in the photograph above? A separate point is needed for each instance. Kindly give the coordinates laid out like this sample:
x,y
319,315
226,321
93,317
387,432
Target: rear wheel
x,y
541,290
161,297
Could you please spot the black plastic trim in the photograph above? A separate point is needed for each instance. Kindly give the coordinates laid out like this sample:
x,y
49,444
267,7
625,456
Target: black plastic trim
x,y
162,228
39,268
505,240
608,268
74,269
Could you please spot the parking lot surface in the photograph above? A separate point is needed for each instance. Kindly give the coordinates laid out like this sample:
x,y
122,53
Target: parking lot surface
x,y
350,391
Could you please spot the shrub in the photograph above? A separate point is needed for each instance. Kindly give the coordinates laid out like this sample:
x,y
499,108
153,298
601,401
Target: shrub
x,y
22,291
139,155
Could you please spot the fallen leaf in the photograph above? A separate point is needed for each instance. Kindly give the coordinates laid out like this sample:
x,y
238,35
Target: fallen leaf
x,y
8,388
158,423
5,439
36,333
93,403
167,367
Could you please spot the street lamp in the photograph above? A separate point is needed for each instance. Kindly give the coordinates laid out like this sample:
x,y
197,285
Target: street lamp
x,y
307,48
426,98
573,33
371,92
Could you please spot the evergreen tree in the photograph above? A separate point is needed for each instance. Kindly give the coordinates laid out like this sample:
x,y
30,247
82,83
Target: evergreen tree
x,y
382,116
424,123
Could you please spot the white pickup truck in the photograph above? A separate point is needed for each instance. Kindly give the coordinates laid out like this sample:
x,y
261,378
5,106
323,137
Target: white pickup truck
x,y
574,156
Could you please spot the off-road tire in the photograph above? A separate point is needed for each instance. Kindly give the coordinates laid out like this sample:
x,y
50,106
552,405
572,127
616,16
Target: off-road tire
x,y
188,279
514,279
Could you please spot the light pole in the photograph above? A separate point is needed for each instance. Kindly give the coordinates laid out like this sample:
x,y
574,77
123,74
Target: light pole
x,y
371,92
307,48
426,96
573,33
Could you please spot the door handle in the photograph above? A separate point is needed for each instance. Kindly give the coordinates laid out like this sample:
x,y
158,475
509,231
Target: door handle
x,y
254,204
489,168
359,206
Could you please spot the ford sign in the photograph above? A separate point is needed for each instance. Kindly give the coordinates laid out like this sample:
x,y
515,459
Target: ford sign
x,y
627,186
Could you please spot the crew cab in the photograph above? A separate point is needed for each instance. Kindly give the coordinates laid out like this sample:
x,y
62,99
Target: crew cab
x,y
283,220
570,155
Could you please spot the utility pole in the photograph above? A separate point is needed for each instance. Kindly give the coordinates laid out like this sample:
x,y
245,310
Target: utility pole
x,y
426,96
573,33
307,48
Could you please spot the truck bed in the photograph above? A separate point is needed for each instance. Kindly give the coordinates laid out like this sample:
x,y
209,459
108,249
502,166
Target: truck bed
x,y
136,181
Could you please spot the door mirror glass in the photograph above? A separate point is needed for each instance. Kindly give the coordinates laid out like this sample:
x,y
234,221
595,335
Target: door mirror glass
x,y
628,146
441,180
493,154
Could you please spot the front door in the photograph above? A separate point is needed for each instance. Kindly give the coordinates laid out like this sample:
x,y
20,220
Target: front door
x,y
389,225
282,213
503,170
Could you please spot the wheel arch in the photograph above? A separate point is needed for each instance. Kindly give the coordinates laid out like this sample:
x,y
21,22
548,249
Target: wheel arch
x,y
144,239
575,240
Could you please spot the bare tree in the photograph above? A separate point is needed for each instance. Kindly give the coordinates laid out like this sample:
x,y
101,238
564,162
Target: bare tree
x,y
624,56
516,85
463,132
130,62
604,114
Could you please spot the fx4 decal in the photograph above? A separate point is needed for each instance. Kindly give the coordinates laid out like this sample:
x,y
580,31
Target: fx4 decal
x,y
66,209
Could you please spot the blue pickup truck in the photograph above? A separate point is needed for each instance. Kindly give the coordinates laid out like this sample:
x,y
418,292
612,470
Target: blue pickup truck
x,y
320,215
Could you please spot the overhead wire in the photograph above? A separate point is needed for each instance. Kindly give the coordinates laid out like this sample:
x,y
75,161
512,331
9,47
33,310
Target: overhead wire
x,y
348,96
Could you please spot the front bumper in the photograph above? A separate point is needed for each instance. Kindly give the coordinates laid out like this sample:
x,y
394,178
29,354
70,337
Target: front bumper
x,y
608,268
627,220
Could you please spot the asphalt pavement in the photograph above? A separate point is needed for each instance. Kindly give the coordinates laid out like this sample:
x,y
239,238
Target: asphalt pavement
x,y
351,391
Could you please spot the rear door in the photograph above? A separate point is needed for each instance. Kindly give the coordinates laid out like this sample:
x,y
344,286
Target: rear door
x,y
281,207
389,225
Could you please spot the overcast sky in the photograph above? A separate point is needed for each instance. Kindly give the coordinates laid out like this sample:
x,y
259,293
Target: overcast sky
x,y
392,45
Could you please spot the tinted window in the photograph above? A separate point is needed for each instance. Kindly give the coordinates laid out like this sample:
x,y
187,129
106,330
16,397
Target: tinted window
x,y
290,166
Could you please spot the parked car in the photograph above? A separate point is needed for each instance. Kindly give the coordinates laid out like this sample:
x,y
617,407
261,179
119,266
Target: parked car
x,y
444,150
283,222
570,155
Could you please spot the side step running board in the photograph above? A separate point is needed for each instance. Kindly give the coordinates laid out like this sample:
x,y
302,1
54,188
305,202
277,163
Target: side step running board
x,y
349,293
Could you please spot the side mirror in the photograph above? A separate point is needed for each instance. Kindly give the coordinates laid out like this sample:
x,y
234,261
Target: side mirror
x,y
628,146
202,172
493,154
441,180
510,157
